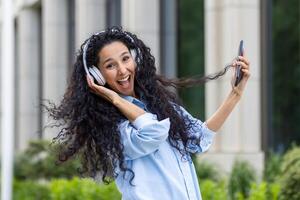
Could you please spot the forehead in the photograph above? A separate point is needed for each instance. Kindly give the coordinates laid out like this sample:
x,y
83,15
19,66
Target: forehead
x,y
112,50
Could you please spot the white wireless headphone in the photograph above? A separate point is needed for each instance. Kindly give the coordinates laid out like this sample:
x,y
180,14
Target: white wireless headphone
x,y
94,71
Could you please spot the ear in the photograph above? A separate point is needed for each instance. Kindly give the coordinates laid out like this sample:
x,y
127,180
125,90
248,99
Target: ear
x,y
133,53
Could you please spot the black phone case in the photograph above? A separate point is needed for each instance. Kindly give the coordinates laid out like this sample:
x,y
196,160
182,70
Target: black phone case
x,y
239,73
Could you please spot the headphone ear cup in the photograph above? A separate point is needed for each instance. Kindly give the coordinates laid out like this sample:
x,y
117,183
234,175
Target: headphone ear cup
x,y
95,72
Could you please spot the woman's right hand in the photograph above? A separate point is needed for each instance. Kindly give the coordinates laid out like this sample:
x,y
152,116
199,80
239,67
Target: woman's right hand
x,y
130,110
102,91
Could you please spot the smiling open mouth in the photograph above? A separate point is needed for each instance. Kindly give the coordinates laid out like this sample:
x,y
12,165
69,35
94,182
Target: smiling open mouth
x,y
125,81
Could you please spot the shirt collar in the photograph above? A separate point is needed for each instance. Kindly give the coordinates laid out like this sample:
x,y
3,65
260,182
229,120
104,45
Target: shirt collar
x,y
135,101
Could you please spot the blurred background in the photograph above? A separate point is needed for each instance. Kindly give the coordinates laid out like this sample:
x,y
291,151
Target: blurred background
x,y
252,153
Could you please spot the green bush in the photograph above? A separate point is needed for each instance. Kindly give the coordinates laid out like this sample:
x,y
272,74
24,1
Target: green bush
x,y
87,189
290,175
211,190
273,191
264,191
30,190
258,191
78,189
272,167
38,162
206,170
64,189
241,177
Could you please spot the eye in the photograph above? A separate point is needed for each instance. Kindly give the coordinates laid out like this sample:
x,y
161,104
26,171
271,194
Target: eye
x,y
110,66
126,58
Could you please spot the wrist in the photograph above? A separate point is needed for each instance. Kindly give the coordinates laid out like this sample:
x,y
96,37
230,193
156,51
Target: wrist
x,y
117,101
235,94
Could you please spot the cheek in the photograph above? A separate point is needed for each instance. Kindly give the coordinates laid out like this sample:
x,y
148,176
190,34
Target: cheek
x,y
132,67
109,75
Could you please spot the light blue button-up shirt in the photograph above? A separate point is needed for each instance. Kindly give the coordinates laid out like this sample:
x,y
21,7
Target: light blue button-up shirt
x,y
160,171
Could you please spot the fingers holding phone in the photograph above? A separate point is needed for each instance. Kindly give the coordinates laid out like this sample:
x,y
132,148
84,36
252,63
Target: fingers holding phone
x,y
242,69
244,65
241,63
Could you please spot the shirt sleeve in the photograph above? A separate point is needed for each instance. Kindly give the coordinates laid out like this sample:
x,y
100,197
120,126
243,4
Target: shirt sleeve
x,y
144,135
204,136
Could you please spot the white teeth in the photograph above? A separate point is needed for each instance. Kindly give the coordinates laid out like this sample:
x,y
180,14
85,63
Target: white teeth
x,y
124,79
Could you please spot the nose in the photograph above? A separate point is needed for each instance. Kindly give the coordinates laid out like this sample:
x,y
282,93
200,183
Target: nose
x,y
122,69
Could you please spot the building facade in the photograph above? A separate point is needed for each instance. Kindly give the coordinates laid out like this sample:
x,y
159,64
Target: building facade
x,y
49,33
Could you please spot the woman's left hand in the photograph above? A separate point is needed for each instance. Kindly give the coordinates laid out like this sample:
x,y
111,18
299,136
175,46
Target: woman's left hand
x,y
245,69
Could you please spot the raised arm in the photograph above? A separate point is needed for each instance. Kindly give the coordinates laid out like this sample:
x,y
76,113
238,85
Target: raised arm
x,y
215,122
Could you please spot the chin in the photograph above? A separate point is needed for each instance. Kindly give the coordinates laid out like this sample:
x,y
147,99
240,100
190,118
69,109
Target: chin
x,y
127,93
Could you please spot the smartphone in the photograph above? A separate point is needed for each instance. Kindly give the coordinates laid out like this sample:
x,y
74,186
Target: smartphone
x,y
239,73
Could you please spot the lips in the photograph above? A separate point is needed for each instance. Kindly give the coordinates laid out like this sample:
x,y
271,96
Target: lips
x,y
124,81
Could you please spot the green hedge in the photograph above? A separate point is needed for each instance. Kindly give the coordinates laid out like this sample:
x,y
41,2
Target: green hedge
x,y
241,177
38,162
211,190
63,189
290,175
30,190
206,170
87,189
264,191
272,167
78,189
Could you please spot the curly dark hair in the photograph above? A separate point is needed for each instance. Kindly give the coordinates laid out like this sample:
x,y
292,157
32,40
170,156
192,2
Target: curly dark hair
x,y
90,123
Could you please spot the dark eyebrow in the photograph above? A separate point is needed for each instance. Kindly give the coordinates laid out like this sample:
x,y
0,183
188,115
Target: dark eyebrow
x,y
125,52
109,59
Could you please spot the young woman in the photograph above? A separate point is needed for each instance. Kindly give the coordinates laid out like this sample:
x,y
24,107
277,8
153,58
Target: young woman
x,y
119,114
